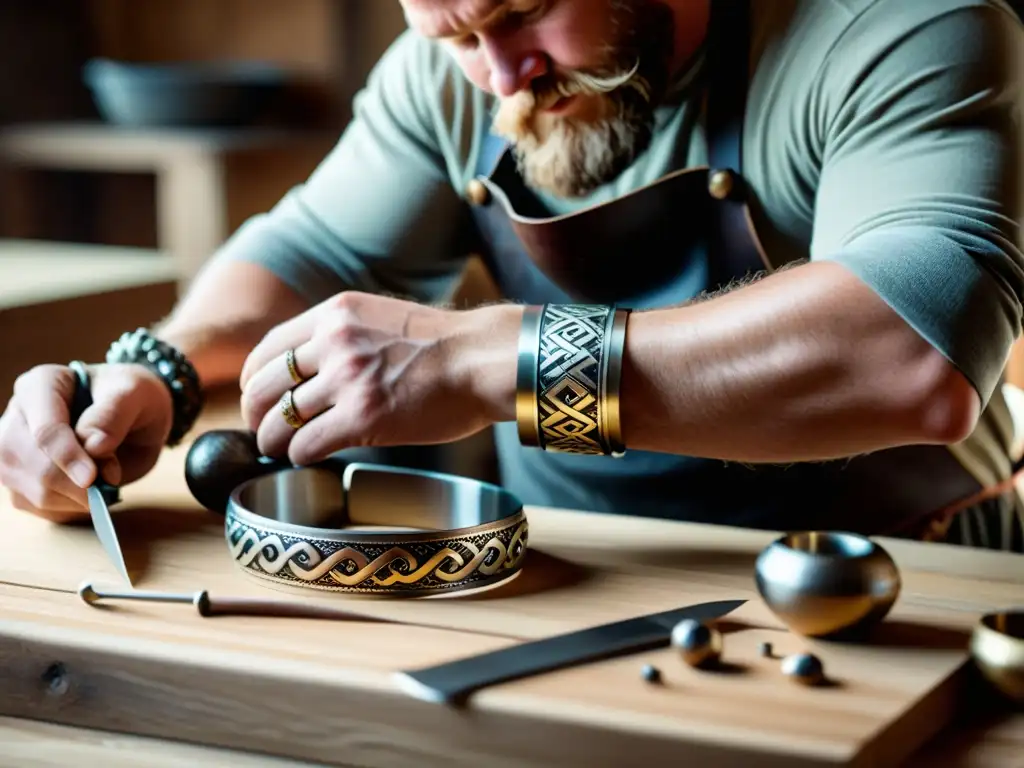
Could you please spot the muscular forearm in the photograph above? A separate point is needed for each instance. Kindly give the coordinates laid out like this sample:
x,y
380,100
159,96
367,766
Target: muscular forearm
x,y
806,364
225,313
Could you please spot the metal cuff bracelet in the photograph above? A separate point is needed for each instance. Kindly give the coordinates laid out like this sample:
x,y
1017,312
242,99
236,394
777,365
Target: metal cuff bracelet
x,y
568,375
431,532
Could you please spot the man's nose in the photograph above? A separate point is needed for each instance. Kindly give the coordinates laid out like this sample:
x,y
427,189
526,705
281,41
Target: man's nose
x,y
511,72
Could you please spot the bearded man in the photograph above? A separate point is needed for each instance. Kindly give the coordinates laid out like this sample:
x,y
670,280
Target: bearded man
x,y
761,264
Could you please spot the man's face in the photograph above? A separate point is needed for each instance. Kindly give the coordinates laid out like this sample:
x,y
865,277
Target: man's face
x,y
576,80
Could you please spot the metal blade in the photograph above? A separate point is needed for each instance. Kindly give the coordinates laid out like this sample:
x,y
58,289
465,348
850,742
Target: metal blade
x,y
446,683
100,493
104,525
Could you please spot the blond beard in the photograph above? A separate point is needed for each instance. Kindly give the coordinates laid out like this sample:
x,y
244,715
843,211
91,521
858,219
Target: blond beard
x,y
568,156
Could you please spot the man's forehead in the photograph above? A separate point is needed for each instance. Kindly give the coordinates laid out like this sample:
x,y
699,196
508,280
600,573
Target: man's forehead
x,y
451,18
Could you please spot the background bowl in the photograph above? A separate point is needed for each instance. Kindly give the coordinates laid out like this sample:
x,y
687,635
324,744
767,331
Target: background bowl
x,y
997,649
823,584
214,94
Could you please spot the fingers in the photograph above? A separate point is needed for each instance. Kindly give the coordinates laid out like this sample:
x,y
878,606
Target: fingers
x,y
310,401
57,509
43,396
333,430
47,463
288,335
28,473
124,403
269,383
340,309
110,470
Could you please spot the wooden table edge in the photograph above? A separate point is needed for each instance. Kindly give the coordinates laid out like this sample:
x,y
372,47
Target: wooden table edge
x,y
76,681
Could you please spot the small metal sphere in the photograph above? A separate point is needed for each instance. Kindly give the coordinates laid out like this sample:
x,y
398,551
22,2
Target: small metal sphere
x,y
803,668
766,650
651,673
699,644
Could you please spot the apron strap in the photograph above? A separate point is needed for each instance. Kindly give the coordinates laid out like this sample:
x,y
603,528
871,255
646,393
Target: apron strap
x,y
733,247
728,60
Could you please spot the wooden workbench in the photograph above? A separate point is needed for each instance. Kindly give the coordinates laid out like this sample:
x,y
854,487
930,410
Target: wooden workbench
x,y
118,708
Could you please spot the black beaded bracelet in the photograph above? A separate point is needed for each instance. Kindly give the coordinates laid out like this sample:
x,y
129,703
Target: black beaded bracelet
x,y
141,347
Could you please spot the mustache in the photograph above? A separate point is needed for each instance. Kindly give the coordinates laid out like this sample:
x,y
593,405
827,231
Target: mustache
x,y
579,82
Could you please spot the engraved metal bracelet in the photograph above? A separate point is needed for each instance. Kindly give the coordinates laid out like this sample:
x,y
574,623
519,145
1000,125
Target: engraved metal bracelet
x,y
568,378
375,529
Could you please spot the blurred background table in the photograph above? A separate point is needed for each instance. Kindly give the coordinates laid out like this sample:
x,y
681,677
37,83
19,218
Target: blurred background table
x,y
202,183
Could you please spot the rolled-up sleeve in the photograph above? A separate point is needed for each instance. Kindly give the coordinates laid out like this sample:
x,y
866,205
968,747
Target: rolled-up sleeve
x,y
921,173
379,213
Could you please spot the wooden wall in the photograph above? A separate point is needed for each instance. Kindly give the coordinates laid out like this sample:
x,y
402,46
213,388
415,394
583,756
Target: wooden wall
x,y
299,34
329,47
41,50
329,44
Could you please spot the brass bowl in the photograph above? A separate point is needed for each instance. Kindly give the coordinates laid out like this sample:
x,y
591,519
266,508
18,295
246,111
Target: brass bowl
x,y
997,649
827,584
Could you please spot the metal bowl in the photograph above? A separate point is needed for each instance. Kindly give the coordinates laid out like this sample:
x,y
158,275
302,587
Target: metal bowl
x,y
192,94
997,649
827,584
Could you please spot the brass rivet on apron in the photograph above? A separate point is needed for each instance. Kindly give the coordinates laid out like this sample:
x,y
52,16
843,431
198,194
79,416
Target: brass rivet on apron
x,y
720,184
476,192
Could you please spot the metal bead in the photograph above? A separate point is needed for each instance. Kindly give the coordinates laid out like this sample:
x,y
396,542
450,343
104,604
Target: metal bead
x,y
720,184
651,673
803,668
476,192
698,644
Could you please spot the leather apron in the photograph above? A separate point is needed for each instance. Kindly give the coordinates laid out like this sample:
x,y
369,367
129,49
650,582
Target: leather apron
x,y
640,251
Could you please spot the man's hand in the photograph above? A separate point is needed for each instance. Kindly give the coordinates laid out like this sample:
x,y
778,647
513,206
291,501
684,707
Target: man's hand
x,y
47,465
380,371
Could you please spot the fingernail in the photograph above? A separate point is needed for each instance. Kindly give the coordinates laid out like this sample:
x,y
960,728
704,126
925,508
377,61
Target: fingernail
x,y
94,441
81,473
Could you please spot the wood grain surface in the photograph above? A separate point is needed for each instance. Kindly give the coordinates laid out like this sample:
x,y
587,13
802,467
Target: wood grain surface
x,y
35,744
989,740
994,741
325,691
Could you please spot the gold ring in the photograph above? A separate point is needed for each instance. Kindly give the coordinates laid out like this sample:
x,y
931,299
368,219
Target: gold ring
x,y
293,369
291,415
